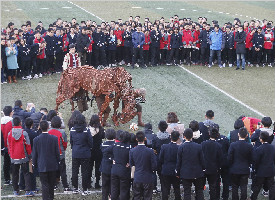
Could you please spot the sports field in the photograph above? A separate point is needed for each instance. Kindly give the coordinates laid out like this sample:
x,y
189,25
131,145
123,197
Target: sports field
x,y
189,91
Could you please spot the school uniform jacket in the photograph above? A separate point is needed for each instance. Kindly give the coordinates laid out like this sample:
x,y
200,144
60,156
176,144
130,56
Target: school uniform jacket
x,y
176,40
127,37
99,40
240,157
50,45
204,38
168,159
224,142
145,164
258,41
107,158
190,161
155,38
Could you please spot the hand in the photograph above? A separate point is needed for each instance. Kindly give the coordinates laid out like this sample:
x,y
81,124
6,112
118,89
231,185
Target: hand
x,y
138,46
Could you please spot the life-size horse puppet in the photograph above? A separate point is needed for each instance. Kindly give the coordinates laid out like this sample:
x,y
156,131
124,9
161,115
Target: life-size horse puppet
x,y
114,83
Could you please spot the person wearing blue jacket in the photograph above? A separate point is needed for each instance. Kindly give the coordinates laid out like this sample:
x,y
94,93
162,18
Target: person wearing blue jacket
x,y
216,41
81,143
138,39
22,114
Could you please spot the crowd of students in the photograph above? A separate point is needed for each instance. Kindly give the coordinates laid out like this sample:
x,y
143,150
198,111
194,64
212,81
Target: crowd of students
x,y
34,144
34,53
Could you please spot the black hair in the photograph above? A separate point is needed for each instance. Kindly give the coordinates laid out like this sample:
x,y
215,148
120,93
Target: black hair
x,y
175,136
50,29
148,126
264,136
44,126
80,120
243,132
72,118
44,109
188,133
16,121
56,122
94,121
266,121
214,133
133,138
238,124
242,116
140,136
28,122
209,114
18,103
7,110
51,114
124,137
194,125
118,134
162,126
110,134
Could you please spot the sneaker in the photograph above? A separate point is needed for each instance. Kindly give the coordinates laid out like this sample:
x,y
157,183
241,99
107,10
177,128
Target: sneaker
x,y
55,187
29,193
76,191
87,192
257,65
209,66
128,65
242,68
230,65
97,186
120,63
137,65
237,68
7,182
24,78
16,193
123,62
35,76
168,64
223,65
220,66
263,65
114,65
40,75
270,65
68,190
265,193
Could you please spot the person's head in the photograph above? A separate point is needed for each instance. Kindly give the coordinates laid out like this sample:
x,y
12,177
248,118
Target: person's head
x,y
44,111
18,103
266,121
118,134
216,28
28,123
94,121
138,28
98,30
51,114
259,30
22,42
38,35
238,124
110,134
241,28
148,126
7,111
80,120
73,117
16,121
162,126
207,27
228,29
194,125
83,30
209,114
175,136
243,133
44,126
72,48
264,136
124,137
188,134
172,117
140,136
12,40
56,122
214,133
50,32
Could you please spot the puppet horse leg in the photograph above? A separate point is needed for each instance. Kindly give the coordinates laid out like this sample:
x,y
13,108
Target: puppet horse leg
x,y
115,106
104,107
72,104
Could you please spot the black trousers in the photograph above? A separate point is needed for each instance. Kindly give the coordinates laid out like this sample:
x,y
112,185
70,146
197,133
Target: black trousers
x,y
174,55
7,166
163,56
257,56
84,163
142,191
239,180
259,181
83,57
199,184
155,52
268,53
11,72
111,57
95,161
106,186
100,57
195,55
59,61
40,66
227,55
50,61
167,181
89,58
138,52
128,52
186,55
120,187
63,173
15,176
146,56
212,181
205,53
47,181
119,54
33,63
249,57
224,176
25,68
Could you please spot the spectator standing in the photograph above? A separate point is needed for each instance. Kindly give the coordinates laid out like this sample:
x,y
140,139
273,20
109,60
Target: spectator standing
x,y
240,38
11,53
23,114
82,44
138,39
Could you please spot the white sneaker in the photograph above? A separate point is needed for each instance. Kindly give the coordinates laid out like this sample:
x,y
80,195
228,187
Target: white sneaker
x,y
24,78
270,65
128,65
114,65
87,192
223,65
230,65
120,63
35,76
123,62
40,75
137,65
265,193
209,66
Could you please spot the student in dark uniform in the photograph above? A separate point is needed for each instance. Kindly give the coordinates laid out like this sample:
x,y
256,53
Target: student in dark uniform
x,y
168,160
190,168
264,157
212,152
204,126
233,135
145,163
99,47
240,159
51,42
176,40
106,163
155,51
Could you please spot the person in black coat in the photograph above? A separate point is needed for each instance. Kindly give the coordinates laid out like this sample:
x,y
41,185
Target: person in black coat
x,y
168,160
112,46
144,162
128,45
121,171
175,42
24,52
99,47
212,153
82,44
240,47
258,46
240,159
45,157
106,163
59,54
205,46
155,42
264,158
227,52
149,134
98,134
50,50
233,135
190,166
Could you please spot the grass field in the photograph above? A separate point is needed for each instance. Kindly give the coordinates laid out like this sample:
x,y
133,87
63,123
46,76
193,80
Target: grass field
x,y
168,88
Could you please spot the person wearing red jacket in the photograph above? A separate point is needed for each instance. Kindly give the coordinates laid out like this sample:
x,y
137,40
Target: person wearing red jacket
x,y
248,46
41,55
119,50
90,48
196,45
6,126
19,148
163,46
187,40
268,44
146,47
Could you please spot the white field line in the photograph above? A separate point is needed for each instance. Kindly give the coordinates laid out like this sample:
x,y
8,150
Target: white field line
x,y
222,91
86,11
136,7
